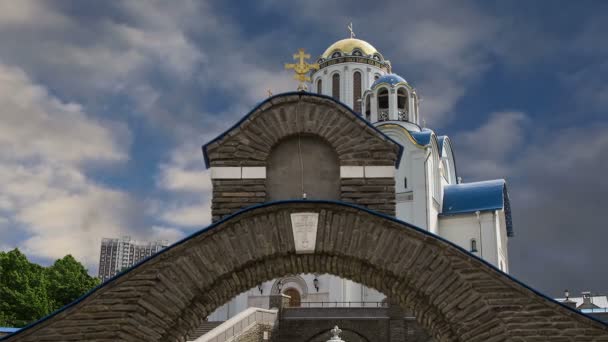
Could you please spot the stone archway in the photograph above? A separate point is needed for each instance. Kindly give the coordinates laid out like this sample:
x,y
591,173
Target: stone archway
x,y
454,295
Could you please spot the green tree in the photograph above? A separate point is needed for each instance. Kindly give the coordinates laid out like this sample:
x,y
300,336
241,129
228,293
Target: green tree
x,y
29,291
68,280
23,293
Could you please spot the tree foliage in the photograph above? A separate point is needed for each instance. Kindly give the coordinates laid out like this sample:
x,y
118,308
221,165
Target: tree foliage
x,y
29,291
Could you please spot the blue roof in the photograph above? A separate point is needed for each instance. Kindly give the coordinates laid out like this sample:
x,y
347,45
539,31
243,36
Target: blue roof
x,y
391,79
423,137
8,330
478,196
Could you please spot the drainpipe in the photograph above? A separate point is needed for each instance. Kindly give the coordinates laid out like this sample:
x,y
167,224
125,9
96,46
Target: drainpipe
x,y
478,214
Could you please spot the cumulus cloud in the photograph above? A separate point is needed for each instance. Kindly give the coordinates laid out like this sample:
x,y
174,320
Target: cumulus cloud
x,y
487,150
556,192
188,186
45,144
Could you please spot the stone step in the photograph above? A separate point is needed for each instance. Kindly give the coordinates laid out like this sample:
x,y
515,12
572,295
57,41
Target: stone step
x,y
204,328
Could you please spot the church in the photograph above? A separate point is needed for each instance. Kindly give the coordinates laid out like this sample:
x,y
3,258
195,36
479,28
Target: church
x,y
332,208
427,190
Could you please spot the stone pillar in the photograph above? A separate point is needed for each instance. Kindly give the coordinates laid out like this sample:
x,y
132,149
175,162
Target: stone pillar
x,y
278,301
396,323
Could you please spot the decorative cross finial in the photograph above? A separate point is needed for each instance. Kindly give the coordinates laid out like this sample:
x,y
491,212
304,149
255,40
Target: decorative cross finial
x,y
269,92
301,68
350,29
335,332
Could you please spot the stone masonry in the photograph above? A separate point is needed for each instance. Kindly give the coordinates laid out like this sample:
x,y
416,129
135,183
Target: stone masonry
x,y
251,141
453,295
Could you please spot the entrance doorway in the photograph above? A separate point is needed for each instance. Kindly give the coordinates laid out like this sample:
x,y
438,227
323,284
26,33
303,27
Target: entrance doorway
x,y
294,301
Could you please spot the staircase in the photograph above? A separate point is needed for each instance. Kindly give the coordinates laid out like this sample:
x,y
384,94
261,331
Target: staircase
x,y
250,323
204,328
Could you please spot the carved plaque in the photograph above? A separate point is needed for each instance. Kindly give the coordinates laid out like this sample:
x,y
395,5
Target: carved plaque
x,y
304,227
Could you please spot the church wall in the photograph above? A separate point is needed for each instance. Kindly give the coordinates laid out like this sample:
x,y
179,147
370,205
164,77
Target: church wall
x,y
503,240
460,229
346,71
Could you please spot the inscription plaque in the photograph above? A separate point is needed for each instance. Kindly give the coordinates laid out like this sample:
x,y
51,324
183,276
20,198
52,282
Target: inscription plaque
x,y
304,226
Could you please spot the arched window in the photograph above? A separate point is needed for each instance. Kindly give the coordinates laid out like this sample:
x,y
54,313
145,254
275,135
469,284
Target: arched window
x,y
357,91
383,104
368,107
335,86
402,104
473,246
320,86
376,77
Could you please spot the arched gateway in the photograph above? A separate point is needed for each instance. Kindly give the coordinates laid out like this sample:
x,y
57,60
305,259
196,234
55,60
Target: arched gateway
x,y
454,295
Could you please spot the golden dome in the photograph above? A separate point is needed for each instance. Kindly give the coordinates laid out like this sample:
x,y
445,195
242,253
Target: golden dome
x,y
346,46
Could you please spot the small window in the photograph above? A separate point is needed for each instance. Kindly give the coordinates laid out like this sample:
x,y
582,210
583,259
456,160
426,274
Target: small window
x,y
383,104
473,246
335,86
320,86
368,106
405,182
357,91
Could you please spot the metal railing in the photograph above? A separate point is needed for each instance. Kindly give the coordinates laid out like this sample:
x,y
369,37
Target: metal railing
x,y
239,324
339,305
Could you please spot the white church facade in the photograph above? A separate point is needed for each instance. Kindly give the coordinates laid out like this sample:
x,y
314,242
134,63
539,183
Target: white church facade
x,y
429,194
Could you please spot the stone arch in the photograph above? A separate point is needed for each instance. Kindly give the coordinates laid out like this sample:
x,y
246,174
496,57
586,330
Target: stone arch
x,y
294,279
239,157
454,295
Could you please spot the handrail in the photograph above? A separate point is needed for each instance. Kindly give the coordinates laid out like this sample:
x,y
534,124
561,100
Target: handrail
x,y
340,305
239,324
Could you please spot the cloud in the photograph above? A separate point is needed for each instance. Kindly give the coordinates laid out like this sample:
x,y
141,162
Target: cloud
x,y
169,234
187,184
53,207
557,195
487,150
37,125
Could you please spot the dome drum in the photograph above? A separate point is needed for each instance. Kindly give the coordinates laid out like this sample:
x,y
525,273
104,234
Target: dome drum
x,y
353,50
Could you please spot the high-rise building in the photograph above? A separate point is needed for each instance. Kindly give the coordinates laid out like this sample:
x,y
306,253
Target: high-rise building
x,y
119,254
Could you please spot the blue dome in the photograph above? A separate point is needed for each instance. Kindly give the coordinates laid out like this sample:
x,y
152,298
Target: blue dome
x,y
391,79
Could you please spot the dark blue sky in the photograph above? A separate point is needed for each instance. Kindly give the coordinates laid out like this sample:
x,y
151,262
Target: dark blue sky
x,y
104,107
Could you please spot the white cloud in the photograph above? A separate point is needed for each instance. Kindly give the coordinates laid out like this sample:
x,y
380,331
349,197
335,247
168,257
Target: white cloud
x,y
45,144
37,125
194,215
168,234
187,184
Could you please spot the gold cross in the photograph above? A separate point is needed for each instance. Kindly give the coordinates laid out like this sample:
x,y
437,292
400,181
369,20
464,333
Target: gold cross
x,y
350,29
301,68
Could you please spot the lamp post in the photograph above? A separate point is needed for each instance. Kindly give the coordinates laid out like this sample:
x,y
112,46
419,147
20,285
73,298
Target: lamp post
x,y
315,282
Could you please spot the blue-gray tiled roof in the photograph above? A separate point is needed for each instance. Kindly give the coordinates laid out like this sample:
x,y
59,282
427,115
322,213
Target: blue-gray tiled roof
x,y
478,196
391,79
